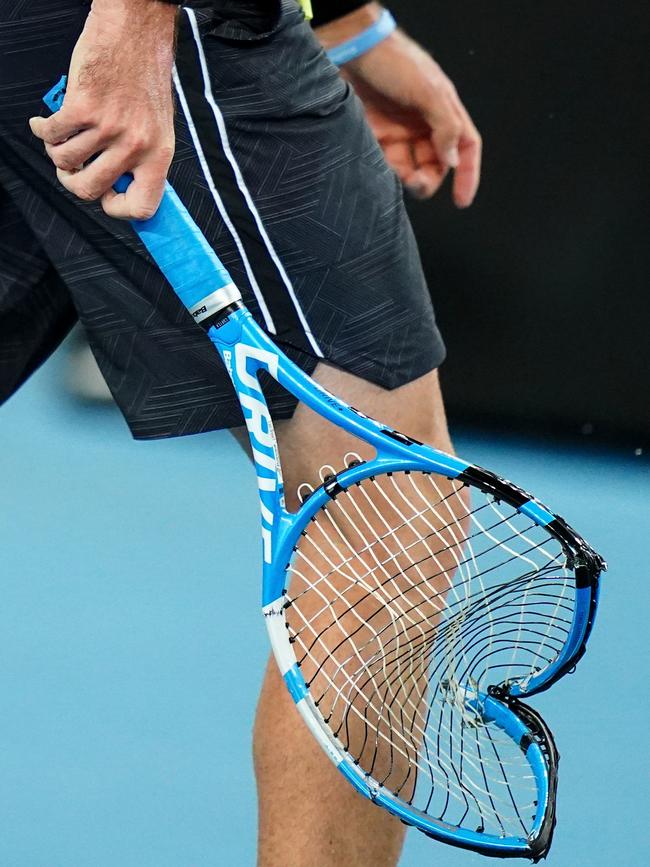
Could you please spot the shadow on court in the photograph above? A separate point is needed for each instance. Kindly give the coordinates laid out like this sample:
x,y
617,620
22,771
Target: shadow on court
x,y
132,646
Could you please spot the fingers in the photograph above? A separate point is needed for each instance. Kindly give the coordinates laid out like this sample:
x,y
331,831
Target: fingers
x,y
72,152
142,198
95,181
457,143
467,175
91,156
91,181
77,150
425,183
446,133
445,123
58,128
416,165
429,172
399,156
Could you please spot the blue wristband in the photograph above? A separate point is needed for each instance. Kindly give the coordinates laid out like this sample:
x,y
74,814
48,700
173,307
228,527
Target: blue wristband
x,y
364,41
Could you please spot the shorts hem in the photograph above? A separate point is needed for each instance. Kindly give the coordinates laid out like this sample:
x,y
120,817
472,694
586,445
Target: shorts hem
x,y
282,404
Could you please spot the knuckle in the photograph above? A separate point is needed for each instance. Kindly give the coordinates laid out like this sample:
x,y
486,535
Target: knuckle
x,y
448,136
166,153
475,142
135,142
77,105
60,124
85,192
50,135
143,211
65,162
107,127
107,130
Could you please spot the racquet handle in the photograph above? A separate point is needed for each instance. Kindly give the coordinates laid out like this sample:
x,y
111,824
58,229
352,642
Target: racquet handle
x,y
176,244
180,250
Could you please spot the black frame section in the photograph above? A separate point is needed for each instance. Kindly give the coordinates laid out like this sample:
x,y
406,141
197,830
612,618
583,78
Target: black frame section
x,y
220,317
540,734
581,557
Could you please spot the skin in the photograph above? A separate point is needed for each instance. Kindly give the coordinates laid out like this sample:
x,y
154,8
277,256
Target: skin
x,y
119,111
117,107
413,109
330,824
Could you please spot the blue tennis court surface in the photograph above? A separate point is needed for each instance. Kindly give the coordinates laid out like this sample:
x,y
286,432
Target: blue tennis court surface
x,y
132,647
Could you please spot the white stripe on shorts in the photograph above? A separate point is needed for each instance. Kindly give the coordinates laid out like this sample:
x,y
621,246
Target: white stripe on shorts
x,y
268,321
221,126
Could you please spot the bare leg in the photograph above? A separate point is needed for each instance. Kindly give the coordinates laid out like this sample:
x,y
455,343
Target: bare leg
x,y
309,816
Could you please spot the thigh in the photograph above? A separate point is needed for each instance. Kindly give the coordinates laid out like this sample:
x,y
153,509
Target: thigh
x,y
307,442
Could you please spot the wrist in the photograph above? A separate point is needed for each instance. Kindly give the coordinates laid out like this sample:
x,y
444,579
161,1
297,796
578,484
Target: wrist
x,y
133,5
147,23
353,43
153,11
348,26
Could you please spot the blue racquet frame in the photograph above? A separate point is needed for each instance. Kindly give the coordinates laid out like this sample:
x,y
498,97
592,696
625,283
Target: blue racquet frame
x,y
204,286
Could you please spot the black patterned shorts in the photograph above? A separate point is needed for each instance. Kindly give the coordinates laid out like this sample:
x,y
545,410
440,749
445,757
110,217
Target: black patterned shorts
x,y
275,162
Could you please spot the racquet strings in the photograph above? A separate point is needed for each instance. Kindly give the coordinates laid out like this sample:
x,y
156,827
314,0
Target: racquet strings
x,y
406,599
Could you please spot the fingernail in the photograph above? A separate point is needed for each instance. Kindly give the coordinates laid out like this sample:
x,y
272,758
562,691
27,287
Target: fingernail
x,y
418,191
452,157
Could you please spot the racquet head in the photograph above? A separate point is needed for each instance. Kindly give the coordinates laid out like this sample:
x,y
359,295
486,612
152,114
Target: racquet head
x,y
415,609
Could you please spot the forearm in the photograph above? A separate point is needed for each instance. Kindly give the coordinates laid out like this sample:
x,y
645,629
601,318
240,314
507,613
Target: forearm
x,y
127,39
150,20
156,12
153,9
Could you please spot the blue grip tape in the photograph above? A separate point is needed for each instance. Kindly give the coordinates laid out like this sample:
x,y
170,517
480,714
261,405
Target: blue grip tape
x,y
171,236
121,185
180,250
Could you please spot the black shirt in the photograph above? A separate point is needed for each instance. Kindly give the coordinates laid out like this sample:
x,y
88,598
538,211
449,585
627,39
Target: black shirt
x,y
324,10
